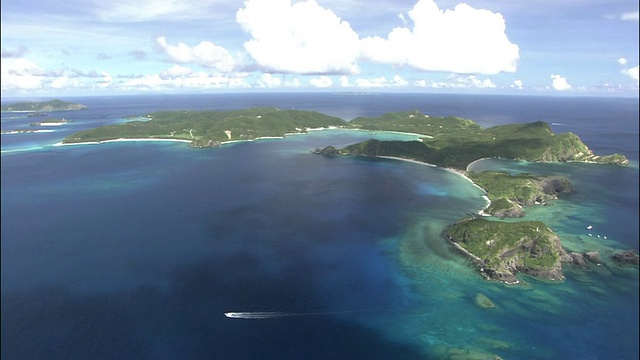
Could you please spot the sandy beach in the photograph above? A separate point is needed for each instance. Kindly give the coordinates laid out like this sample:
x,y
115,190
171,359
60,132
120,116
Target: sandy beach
x,y
120,140
475,161
457,172
408,133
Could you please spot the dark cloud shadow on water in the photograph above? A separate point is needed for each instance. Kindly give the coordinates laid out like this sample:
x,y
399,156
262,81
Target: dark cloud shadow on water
x,y
186,320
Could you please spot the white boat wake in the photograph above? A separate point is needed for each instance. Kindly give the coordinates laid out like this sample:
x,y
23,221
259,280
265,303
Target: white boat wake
x,y
277,314
257,315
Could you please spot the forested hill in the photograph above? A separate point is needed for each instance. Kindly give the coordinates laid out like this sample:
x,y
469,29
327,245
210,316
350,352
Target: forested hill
x,y
52,105
457,145
210,128
448,141
415,122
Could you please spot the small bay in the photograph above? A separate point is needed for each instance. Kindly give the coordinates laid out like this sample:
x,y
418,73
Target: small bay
x,y
138,249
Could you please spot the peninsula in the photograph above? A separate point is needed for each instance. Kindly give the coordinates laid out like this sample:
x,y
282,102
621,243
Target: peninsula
x,y
509,194
453,142
501,249
39,106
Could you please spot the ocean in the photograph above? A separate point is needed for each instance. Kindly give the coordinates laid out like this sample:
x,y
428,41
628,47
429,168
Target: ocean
x,y
137,250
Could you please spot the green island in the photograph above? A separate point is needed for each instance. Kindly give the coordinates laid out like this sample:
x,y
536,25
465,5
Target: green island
x,y
51,122
52,105
500,249
454,142
212,128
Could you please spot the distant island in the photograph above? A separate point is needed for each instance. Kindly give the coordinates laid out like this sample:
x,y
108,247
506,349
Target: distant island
x,y
500,249
51,122
453,142
212,128
40,106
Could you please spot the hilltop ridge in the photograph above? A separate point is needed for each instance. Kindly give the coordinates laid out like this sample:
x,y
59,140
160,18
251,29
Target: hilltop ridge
x,y
211,128
51,105
455,143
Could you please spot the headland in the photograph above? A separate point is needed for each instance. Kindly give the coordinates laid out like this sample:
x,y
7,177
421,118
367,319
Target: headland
x,y
501,250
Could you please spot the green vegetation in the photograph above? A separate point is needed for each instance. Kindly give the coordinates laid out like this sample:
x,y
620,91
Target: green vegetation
x,y
210,128
448,142
503,207
412,150
455,142
506,248
415,122
52,105
509,193
501,248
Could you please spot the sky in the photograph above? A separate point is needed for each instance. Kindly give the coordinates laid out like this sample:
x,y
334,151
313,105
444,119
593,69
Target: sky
x,y
115,47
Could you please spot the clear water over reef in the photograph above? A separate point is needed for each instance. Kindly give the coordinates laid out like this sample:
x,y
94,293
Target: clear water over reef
x,y
138,249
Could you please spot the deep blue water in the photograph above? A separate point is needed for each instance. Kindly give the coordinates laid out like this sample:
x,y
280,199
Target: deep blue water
x,y
136,250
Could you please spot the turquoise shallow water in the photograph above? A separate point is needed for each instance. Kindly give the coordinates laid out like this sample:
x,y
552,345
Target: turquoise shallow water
x,y
136,250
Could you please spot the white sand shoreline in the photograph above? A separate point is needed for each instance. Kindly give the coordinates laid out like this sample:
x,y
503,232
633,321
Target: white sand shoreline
x,y
236,141
402,133
120,140
458,172
475,161
454,171
407,160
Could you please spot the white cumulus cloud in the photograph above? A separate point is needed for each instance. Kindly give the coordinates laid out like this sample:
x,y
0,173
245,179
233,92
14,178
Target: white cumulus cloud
x,y
301,38
379,82
559,83
633,73
398,81
622,61
517,84
321,82
106,80
61,83
193,80
461,40
20,74
371,83
464,82
175,71
295,83
305,38
268,80
632,16
205,54
344,81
